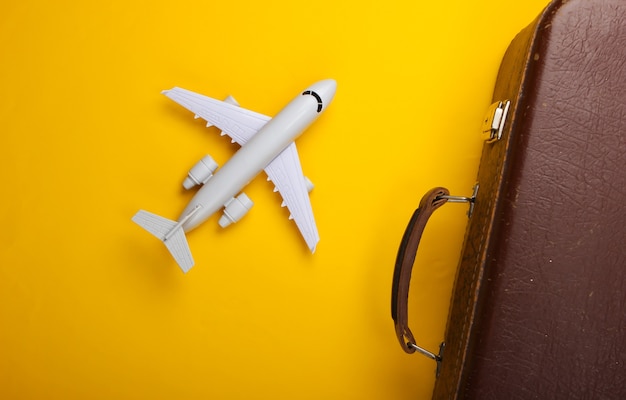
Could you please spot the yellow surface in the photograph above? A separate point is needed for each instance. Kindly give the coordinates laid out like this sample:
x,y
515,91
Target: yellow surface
x,y
93,307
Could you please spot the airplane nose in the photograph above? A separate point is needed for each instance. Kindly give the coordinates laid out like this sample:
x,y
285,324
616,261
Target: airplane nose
x,y
326,90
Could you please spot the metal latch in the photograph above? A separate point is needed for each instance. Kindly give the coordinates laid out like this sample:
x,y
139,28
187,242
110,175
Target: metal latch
x,y
493,125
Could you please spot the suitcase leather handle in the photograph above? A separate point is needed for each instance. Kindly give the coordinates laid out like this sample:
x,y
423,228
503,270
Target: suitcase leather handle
x,y
431,201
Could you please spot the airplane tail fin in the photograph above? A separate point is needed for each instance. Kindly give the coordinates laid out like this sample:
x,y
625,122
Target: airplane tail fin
x,y
170,233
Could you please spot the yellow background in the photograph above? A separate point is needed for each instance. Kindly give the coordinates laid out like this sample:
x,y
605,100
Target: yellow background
x,y
93,307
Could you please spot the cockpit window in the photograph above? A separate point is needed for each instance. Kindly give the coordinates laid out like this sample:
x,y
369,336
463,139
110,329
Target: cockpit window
x,y
317,96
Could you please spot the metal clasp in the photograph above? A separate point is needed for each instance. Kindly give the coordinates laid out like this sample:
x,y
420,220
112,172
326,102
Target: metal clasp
x,y
496,116
463,199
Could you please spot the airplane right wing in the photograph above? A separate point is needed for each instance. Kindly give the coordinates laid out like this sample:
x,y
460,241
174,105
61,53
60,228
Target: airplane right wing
x,y
285,171
238,123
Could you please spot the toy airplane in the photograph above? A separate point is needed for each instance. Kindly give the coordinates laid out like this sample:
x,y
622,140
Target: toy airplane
x,y
266,144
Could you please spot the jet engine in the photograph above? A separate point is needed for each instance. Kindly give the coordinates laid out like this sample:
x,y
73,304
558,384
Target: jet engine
x,y
201,172
235,209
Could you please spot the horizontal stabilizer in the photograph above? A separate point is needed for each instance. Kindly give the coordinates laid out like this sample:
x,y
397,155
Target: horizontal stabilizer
x,y
170,233
179,248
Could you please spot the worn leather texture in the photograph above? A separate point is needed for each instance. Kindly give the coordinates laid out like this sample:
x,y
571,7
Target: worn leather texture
x,y
539,306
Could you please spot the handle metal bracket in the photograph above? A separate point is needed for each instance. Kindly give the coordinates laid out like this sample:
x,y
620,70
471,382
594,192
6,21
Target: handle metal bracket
x,y
437,357
463,199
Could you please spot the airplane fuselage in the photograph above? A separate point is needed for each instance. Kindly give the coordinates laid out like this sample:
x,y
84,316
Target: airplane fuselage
x,y
251,159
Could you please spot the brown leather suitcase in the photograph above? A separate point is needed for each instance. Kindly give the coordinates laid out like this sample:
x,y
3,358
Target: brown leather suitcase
x,y
538,309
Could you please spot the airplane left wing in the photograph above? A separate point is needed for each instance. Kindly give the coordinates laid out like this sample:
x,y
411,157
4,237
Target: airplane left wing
x,y
285,172
238,123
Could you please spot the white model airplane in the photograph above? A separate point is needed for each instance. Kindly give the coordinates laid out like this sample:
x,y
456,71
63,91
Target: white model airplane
x,y
266,144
